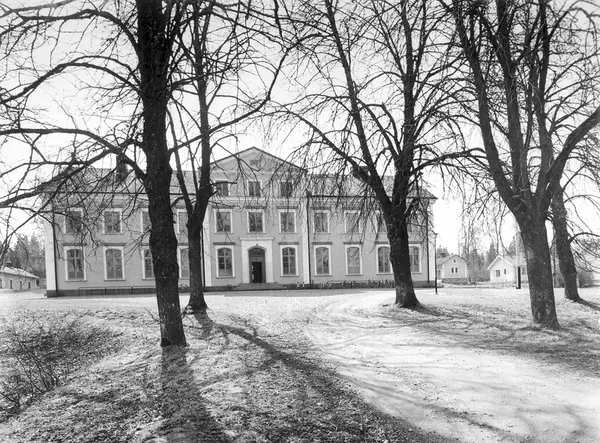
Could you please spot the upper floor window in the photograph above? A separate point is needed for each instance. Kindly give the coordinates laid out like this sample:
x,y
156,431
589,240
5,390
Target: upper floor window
x,y
182,219
415,259
148,266
381,224
285,189
287,221
255,221
75,264
223,221
352,221
321,221
222,189
112,221
145,221
254,189
73,221
113,262
454,270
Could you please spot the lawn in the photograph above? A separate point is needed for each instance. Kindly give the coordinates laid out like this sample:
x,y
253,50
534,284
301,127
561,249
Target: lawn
x,y
255,371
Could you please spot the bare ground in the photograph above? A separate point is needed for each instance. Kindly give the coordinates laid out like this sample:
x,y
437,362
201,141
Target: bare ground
x,y
308,366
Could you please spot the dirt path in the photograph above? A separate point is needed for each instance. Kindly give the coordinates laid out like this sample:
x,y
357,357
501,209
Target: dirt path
x,y
446,387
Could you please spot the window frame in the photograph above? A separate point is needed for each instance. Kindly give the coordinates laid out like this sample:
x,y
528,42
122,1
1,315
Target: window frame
x,y
216,215
144,229
327,215
418,247
181,230
262,220
287,211
79,248
117,248
180,256
65,218
358,224
249,187
328,248
295,249
497,272
219,186
360,263
389,260
120,212
144,275
290,189
232,251
380,222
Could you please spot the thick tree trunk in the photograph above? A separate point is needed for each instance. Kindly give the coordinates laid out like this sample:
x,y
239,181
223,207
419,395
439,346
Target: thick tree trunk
x,y
539,271
400,261
154,56
566,261
196,302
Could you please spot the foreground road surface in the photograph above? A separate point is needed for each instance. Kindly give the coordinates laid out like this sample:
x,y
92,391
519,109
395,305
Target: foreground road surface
x,y
447,387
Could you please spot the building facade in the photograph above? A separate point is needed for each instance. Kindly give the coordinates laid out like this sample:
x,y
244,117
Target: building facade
x,y
504,270
268,225
452,269
17,279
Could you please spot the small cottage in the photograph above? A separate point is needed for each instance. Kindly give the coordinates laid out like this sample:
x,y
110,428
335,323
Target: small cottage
x,y
15,278
452,269
504,269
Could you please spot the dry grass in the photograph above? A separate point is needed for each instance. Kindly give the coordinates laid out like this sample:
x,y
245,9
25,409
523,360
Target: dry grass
x,y
251,375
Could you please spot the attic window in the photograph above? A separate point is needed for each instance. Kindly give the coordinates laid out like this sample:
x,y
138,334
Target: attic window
x,y
222,189
285,189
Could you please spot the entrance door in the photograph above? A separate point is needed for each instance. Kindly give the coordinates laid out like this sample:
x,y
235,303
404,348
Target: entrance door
x,y
257,265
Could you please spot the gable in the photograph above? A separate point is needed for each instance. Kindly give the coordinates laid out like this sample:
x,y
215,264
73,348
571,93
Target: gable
x,y
254,161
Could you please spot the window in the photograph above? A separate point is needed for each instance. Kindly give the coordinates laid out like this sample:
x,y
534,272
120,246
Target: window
x,y
454,270
10,283
148,266
73,221
383,260
505,271
223,220
381,225
255,221
352,221
353,260
182,219
285,189
145,221
184,263
222,189
497,272
112,221
28,285
288,261
113,263
253,189
322,260
224,262
287,221
454,260
321,221
415,259
75,264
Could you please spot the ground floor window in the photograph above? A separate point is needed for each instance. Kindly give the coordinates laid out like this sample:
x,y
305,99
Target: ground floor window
x,y
224,262
184,263
148,266
497,272
28,285
114,264
383,260
353,265
75,264
322,260
288,261
415,259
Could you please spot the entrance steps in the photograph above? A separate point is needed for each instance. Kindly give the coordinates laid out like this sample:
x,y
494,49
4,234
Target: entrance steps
x,y
259,287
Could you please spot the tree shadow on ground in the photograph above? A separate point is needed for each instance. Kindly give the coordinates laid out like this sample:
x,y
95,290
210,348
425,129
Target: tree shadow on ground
x,y
287,393
589,304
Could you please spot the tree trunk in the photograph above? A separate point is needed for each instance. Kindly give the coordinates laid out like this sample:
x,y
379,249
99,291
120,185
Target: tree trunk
x,y
153,66
399,258
196,302
566,261
539,271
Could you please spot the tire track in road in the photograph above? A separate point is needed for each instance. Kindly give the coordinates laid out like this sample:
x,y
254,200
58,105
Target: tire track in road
x,y
446,387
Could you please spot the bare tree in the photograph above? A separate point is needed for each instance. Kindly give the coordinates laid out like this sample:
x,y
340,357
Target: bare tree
x,y
118,70
376,105
534,73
